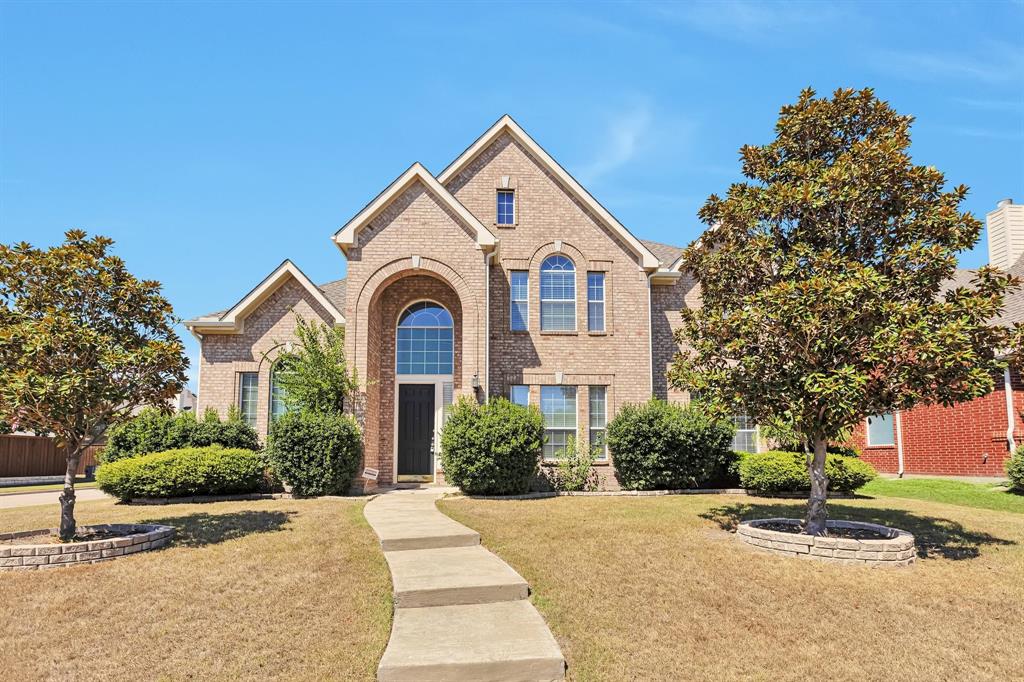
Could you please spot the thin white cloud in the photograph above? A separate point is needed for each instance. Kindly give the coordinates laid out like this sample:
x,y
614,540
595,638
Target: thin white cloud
x,y
968,131
997,62
993,104
623,140
746,20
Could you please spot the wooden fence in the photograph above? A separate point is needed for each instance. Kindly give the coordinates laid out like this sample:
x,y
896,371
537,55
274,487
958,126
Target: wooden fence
x,y
38,456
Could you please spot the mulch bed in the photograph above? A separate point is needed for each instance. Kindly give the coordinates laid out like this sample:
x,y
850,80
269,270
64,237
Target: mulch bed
x,y
48,538
851,533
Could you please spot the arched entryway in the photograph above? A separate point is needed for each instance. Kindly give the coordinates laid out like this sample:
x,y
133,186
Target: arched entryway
x,y
416,366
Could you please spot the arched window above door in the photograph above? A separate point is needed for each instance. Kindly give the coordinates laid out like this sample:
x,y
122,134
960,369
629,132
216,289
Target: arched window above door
x,y
425,340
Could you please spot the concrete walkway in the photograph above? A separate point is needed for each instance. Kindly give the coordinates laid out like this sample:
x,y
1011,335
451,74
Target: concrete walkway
x,y
12,500
461,613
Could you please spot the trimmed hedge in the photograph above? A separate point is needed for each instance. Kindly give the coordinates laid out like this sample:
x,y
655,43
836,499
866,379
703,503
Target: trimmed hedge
x,y
212,470
314,453
492,449
154,431
659,445
1015,470
784,472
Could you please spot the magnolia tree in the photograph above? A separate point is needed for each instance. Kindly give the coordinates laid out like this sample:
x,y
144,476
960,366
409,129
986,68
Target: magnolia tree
x,y
824,282
82,344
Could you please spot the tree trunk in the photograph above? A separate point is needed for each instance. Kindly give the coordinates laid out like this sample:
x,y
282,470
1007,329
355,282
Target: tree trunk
x,y
67,497
816,514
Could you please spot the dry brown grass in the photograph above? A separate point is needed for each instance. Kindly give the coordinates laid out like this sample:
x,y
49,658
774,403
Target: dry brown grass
x,y
289,589
657,588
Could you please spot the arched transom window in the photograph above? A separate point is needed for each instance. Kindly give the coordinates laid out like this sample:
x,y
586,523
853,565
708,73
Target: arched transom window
x,y
425,340
557,294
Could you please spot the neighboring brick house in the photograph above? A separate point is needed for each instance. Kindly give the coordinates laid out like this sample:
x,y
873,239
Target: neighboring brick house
x,y
973,438
501,276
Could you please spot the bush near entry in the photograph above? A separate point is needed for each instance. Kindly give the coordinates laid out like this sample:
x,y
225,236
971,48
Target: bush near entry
x,y
155,431
315,453
492,449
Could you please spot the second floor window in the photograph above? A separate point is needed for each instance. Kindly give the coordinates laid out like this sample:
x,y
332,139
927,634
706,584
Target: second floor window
x,y
595,301
248,396
557,294
506,207
519,286
425,343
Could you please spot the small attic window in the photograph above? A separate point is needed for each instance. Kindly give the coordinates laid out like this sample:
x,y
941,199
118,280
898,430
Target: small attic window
x,y
506,208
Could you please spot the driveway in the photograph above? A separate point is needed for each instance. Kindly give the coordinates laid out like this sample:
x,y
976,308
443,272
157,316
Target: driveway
x,y
30,499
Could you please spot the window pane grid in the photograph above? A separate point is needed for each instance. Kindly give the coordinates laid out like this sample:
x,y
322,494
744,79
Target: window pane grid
x,y
598,419
506,207
558,405
425,340
745,438
519,293
595,301
248,390
558,294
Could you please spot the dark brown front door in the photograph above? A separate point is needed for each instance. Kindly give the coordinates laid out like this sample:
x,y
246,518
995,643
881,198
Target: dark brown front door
x,y
415,429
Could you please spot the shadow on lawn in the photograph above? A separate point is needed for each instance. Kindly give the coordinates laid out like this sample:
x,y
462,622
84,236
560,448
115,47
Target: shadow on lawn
x,y
198,530
934,537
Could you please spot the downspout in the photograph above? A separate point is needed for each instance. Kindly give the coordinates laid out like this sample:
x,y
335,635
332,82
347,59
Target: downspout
x,y
487,326
899,442
1008,390
650,327
199,369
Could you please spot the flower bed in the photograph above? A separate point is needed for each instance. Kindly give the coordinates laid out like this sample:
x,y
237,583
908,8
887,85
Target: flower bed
x,y
28,550
851,542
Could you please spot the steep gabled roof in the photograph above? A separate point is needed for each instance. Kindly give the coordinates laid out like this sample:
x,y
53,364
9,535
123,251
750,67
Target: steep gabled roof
x,y
346,236
231,321
505,124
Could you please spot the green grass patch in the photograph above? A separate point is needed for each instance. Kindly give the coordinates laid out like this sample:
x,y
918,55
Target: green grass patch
x,y
962,493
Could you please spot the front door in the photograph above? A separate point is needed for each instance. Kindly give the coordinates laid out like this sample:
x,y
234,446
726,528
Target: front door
x,y
415,429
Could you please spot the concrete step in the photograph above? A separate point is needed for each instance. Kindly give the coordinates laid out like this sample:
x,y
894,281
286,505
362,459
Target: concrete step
x,y
410,521
452,575
478,642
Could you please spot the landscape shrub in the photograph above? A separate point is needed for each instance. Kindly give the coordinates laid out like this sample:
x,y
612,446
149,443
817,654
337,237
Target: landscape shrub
x,y
315,453
212,470
725,471
782,472
492,449
155,431
574,471
1015,470
659,445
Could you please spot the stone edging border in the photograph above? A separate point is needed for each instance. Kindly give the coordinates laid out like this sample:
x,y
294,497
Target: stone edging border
x,y
651,493
139,537
895,550
206,498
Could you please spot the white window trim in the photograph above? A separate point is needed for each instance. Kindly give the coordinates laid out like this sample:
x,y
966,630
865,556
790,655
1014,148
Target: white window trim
x,y
526,300
604,451
603,301
438,380
497,221
575,431
867,432
573,300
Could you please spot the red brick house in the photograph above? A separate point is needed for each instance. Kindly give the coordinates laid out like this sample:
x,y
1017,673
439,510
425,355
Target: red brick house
x,y
499,276
973,438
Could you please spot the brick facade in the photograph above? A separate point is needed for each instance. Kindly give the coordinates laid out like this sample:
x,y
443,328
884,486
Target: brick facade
x,y
968,439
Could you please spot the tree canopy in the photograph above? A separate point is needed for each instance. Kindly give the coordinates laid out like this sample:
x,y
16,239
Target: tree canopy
x,y
313,373
825,281
82,343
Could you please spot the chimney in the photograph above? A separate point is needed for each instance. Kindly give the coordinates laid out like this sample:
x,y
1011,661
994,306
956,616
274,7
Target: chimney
x,y
1005,234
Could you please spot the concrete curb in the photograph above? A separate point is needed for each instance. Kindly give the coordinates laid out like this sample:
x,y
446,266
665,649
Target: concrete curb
x,y
653,493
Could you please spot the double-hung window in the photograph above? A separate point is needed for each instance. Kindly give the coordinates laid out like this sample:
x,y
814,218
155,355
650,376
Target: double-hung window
x,y
745,437
557,294
880,430
598,419
595,301
558,405
519,293
519,395
278,406
248,396
506,208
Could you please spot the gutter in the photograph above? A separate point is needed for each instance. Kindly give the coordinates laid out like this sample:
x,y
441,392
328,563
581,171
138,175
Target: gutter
x,y
899,443
1008,390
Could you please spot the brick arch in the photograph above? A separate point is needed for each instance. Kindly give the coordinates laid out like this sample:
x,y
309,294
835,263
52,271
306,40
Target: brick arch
x,y
391,272
572,252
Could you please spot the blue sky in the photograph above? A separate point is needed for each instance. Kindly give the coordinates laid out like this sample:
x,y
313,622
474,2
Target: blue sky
x,y
213,140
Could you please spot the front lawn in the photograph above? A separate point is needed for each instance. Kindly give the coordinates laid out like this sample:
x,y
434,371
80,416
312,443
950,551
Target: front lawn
x,y
980,495
294,589
658,588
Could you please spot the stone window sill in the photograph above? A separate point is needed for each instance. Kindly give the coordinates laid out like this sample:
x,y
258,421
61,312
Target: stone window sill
x,y
559,333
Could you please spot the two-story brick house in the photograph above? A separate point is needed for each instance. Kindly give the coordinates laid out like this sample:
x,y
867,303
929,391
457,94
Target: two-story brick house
x,y
500,276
